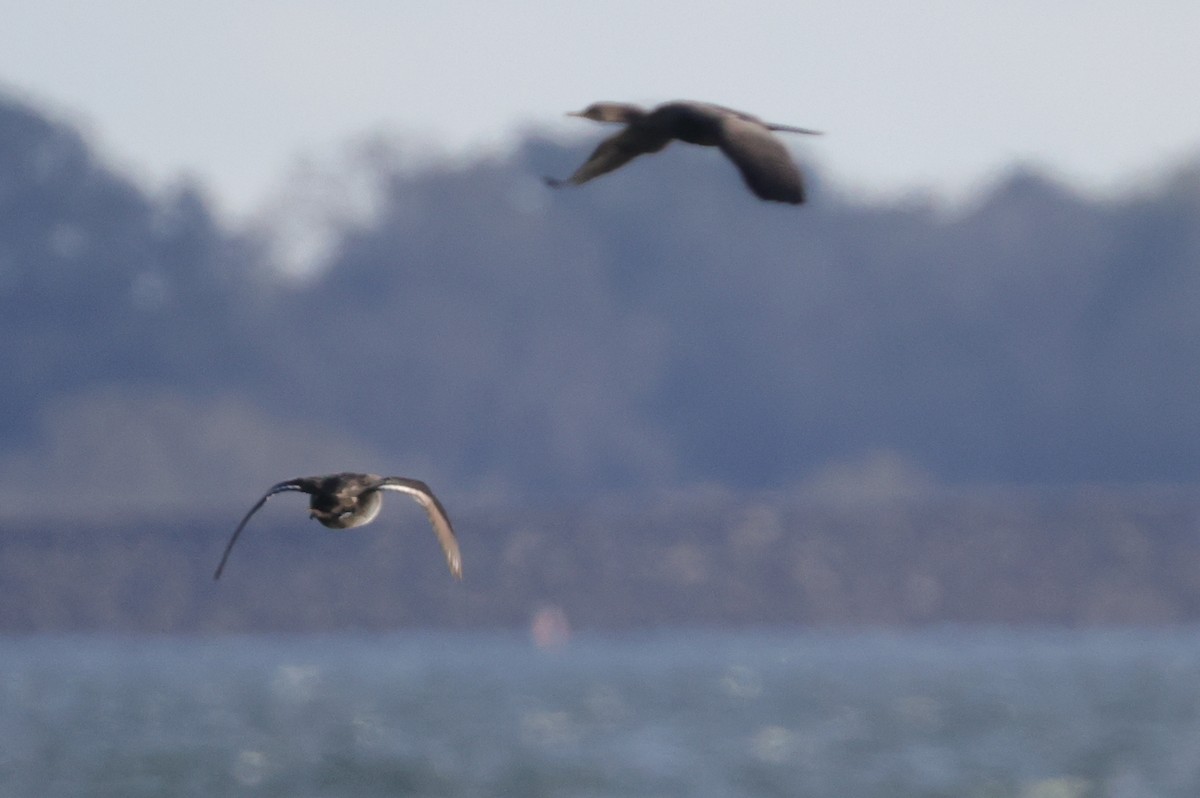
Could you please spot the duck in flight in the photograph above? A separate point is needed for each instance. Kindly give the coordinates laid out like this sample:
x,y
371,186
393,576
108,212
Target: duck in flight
x,y
347,500
746,140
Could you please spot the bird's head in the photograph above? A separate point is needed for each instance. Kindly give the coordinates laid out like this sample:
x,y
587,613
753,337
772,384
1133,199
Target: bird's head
x,y
334,519
324,516
609,112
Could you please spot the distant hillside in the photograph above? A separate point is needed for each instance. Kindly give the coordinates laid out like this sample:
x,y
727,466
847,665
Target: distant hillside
x,y
658,328
1079,558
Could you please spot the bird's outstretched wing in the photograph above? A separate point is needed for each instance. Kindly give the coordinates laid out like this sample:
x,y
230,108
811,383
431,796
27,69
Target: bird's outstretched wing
x,y
437,516
613,153
301,483
762,159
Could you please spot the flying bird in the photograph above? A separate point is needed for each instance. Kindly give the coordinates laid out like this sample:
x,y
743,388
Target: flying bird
x,y
746,140
347,500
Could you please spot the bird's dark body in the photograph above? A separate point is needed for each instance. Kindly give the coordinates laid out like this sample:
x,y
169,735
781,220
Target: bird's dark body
x,y
343,501
686,122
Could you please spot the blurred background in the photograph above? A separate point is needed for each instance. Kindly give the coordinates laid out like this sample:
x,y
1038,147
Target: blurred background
x,y
239,245
892,495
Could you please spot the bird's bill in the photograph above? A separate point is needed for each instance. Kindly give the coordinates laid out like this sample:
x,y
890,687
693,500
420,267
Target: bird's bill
x,y
575,113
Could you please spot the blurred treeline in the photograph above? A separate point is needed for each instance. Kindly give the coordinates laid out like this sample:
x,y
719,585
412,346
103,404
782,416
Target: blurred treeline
x,y
657,329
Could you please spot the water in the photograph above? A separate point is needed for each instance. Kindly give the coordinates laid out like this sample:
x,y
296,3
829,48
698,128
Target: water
x,y
955,713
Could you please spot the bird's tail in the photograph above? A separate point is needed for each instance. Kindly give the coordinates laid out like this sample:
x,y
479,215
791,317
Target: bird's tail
x,y
790,129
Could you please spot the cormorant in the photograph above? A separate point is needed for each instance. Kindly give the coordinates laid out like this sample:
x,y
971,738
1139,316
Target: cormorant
x,y
746,140
347,500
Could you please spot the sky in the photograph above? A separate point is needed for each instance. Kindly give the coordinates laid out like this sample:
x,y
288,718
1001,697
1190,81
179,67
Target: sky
x,y
925,97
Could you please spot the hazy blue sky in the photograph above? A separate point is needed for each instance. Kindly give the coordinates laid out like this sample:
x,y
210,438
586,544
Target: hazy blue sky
x,y
914,95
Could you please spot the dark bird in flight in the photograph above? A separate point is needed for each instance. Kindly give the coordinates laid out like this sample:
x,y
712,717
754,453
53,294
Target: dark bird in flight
x,y
746,140
344,501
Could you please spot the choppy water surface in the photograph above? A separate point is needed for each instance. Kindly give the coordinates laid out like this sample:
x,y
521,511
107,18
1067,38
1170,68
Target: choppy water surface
x,y
962,713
